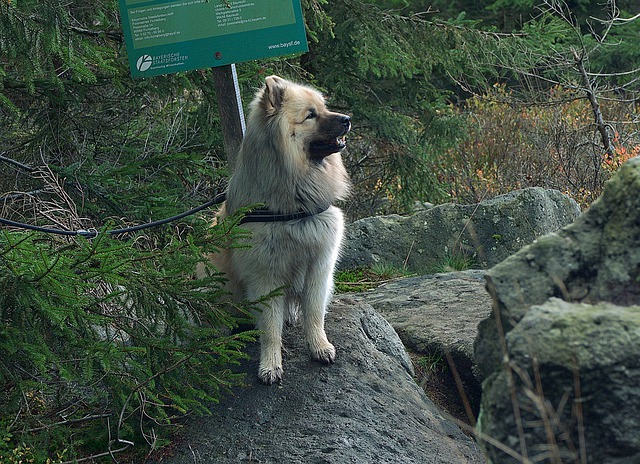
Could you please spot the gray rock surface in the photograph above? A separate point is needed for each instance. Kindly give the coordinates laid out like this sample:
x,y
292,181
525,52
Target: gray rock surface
x,y
596,258
570,386
597,415
365,408
486,233
436,314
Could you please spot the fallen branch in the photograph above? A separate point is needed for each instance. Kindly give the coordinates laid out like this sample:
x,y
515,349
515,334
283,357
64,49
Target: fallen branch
x,y
18,164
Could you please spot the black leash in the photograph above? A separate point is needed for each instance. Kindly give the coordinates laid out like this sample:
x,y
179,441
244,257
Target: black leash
x,y
257,215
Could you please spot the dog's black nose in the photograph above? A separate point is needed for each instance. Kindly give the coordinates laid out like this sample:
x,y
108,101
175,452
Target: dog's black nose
x,y
346,122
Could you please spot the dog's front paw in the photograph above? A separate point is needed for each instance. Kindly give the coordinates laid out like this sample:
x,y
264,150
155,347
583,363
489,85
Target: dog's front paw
x,y
270,375
325,353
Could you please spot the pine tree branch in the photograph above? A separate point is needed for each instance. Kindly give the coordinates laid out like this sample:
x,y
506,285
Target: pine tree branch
x,y
114,35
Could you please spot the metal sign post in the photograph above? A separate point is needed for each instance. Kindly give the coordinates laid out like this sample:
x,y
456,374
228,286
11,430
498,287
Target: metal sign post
x,y
230,108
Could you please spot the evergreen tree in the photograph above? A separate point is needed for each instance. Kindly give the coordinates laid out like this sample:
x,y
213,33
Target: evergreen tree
x,y
105,341
391,71
553,51
101,334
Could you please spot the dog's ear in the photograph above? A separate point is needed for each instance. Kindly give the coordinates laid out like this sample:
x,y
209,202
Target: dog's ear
x,y
274,92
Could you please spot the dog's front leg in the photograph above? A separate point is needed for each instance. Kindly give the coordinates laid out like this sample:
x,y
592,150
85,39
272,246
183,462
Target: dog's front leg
x,y
315,298
270,325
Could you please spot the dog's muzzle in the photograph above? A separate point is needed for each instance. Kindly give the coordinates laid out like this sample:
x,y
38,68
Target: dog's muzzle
x,y
334,131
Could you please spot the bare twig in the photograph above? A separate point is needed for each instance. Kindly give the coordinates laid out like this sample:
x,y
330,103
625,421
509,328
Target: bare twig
x,y
463,395
69,422
18,164
601,125
110,452
18,195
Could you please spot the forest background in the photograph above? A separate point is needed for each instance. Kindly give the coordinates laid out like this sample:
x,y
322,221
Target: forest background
x,y
108,342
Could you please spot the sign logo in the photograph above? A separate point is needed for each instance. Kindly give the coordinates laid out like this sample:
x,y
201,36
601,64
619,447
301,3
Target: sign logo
x,y
144,63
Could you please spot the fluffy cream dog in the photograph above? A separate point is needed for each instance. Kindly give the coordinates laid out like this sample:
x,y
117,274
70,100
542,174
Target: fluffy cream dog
x,y
290,162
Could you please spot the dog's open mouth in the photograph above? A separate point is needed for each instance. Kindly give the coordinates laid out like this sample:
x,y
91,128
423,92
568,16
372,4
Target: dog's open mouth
x,y
323,148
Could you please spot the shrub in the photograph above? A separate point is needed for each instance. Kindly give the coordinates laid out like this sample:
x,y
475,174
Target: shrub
x,y
107,342
554,145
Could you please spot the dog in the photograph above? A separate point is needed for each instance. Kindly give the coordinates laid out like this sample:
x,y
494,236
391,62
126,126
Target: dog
x,y
290,161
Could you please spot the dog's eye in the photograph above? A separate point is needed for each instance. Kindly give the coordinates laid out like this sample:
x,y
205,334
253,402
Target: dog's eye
x,y
312,114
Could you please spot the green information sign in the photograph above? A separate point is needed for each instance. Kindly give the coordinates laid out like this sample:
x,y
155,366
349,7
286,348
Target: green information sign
x,y
167,36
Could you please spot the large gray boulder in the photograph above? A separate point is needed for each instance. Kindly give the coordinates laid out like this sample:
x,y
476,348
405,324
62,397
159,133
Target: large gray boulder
x,y
579,358
485,233
596,258
576,368
436,315
365,408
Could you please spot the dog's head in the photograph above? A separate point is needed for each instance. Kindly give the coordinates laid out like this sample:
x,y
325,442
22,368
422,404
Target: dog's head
x,y
300,115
